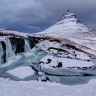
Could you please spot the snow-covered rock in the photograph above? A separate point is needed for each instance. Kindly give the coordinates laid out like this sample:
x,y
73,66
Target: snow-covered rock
x,y
55,62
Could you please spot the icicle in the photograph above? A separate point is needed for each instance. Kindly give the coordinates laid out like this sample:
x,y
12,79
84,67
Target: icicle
x,y
1,53
27,46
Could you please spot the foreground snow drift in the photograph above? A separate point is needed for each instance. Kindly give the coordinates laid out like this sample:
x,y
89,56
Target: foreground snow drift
x,y
34,88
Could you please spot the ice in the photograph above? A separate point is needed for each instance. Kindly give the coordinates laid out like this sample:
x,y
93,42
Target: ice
x,y
9,50
22,72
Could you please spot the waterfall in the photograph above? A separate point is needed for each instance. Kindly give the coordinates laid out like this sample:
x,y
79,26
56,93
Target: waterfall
x,y
9,50
27,46
1,53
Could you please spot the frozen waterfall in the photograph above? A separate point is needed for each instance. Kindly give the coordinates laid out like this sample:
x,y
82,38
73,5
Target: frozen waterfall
x,y
27,46
8,50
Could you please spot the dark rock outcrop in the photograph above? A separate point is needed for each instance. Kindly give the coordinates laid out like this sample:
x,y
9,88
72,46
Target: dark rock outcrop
x,y
17,44
4,51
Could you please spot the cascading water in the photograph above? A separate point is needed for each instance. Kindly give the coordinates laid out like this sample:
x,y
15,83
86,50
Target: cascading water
x,y
9,50
27,46
1,53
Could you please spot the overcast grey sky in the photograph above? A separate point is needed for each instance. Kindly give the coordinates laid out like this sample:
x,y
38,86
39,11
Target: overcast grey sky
x,y
37,15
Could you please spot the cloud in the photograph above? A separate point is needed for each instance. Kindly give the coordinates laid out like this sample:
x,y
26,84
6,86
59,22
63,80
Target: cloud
x,y
37,15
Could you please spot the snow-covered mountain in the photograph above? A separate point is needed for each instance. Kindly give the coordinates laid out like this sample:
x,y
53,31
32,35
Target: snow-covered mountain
x,y
69,27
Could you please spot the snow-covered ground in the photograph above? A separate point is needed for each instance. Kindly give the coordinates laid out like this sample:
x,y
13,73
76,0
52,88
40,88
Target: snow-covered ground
x,y
37,88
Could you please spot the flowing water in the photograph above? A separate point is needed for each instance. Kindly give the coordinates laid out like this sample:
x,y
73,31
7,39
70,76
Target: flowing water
x,y
9,51
27,46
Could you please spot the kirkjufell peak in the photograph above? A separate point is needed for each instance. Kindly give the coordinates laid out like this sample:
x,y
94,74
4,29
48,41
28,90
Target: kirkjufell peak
x,y
68,14
68,25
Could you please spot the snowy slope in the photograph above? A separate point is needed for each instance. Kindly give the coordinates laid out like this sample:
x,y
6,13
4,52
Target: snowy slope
x,y
71,28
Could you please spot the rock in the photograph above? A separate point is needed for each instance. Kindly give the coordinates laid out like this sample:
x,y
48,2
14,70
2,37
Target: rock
x,y
59,65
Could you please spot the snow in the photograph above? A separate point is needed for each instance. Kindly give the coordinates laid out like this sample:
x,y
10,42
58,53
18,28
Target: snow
x,y
94,38
2,38
46,44
65,62
21,72
86,42
15,33
34,88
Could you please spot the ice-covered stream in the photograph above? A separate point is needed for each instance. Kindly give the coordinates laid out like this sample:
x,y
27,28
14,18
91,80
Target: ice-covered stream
x,y
32,61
